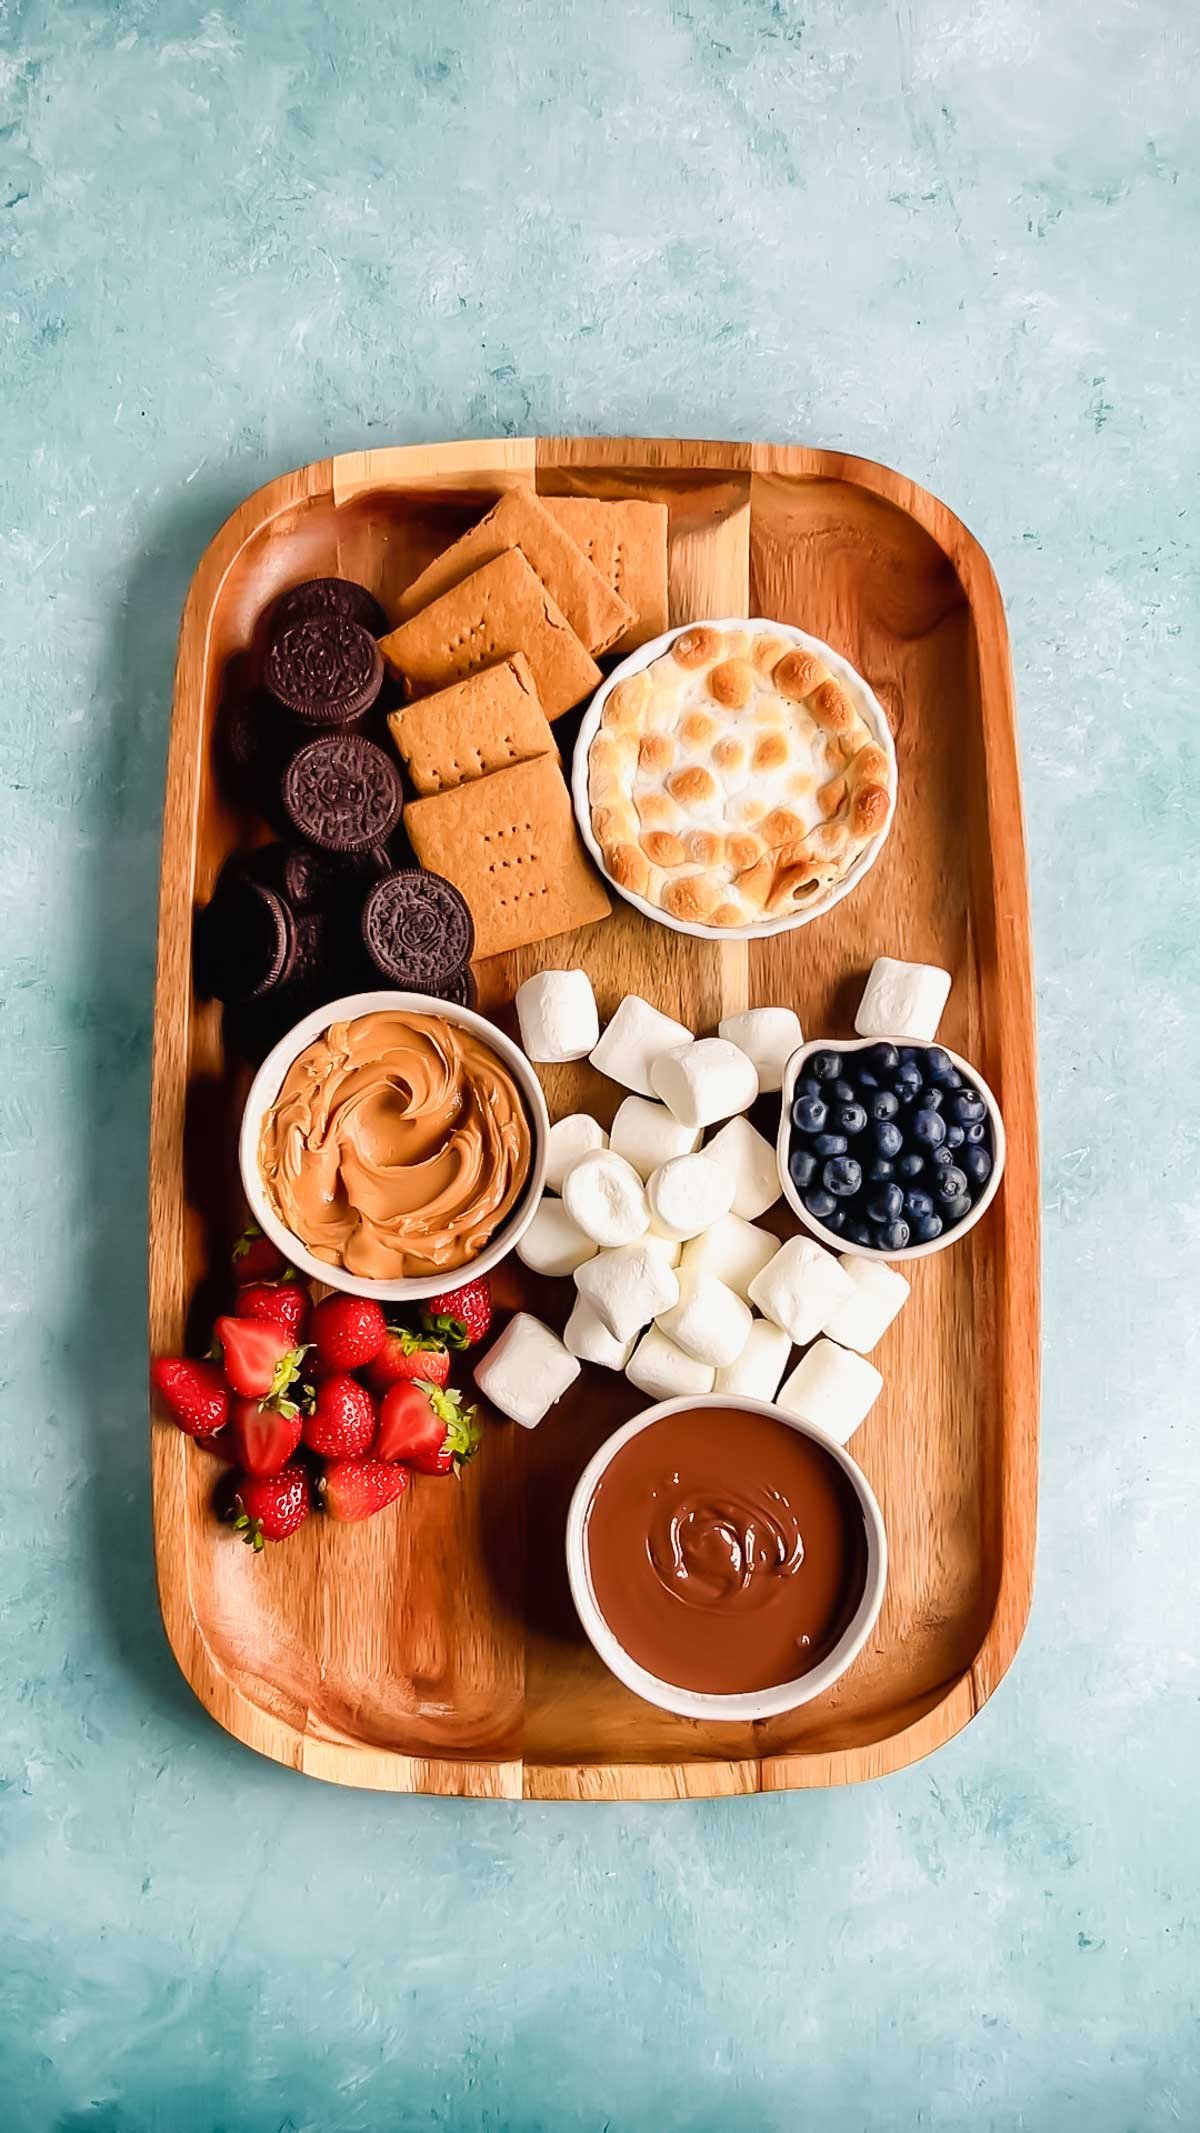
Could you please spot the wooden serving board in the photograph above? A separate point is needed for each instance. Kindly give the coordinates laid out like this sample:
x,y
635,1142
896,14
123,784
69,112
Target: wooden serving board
x,y
435,1649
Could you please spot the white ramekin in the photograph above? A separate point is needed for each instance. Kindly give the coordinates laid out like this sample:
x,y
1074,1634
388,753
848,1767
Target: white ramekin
x,y
865,702
266,1086
694,1703
792,1074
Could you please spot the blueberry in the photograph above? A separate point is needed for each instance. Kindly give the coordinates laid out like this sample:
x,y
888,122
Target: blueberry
x,y
940,1156
809,1113
850,1118
882,1058
842,1176
938,1064
829,1144
819,1202
910,1165
951,1184
967,1107
954,1210
906,1081
955,1135
808,1085
883,1104
911,1054
976,1133
978,1165
927,1228
837,1220
842,1092
929,1129
826,1066
894,1237
866,1079
917,1205
885,1205
928,1099
952,1080
888,1138
857,1232
880,1171
802,1167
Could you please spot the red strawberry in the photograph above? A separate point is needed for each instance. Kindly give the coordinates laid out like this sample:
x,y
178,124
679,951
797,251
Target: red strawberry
x,y
255,1258
220,1441
278,1303
269,1507
406,1355
357,1488
427,1428
257,1357
460,1316
347,1331
195,1394
264,1434
341,1420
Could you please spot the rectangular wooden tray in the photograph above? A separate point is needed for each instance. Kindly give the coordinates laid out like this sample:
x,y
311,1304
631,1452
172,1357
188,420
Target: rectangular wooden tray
x,y
435,1650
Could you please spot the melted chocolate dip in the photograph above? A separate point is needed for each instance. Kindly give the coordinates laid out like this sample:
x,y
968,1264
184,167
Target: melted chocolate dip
x,y
727,1550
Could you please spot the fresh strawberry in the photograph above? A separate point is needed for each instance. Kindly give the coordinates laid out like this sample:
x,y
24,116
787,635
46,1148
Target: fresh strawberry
x,y
357,1488
220,1441
265,1434
195,1394
278,1303
347,1331
269,1507
257,1357
427,1428
340,1422
460,1317
255,1258
406,1355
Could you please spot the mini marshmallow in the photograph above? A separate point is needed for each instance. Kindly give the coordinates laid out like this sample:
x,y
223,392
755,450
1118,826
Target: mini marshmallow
x,y
526,1370
704,1081
658,1367
733,1250
557,1013
709,1321
902,1000
607,1199
688,1194
633,1040
628,1287
554,1244
669,1248
800,1288
832,1388
647,1134
751,1165
589,1338
863,1317
768,1036
760,1365
570,1139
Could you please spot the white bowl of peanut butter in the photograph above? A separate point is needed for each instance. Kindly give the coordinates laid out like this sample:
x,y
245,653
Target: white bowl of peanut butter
x,y
394,1145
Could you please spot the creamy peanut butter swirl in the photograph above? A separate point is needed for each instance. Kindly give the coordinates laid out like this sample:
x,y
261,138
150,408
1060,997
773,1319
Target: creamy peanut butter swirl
x,y
396,1146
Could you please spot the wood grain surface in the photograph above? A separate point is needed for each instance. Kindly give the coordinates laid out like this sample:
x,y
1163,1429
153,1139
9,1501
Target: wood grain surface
x,y
435,1649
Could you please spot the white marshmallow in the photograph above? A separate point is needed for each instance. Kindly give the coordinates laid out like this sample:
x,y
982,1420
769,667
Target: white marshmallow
x,y
733,1250
709,1321
768,1036
704,1081
902,1000
669,1248
606,1197
863,1317
554,1244
647,1134
688,1194
526,1370
589,1338
658,1367
633,1040
832,1388
802,1285
750,1164
557,1013
761,1364
570,1139
628,1287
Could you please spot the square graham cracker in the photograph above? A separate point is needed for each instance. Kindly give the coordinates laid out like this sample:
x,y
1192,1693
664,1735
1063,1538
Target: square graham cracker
x,y
595,612
499,610
485,723
508,842
627,542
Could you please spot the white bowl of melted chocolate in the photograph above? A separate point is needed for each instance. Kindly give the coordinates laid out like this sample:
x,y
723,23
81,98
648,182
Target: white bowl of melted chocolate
x,y
394,1144
727,1561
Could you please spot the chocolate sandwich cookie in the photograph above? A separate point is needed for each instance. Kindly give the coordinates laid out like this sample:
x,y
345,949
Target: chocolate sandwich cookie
x,y
324,669
343,793
418,929
460,990
246,940
327,596
322,880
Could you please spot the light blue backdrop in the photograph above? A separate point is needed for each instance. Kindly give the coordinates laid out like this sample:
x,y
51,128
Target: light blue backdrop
x,y
957,235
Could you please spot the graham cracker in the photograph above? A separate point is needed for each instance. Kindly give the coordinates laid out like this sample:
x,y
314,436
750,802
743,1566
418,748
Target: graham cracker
x,y
627,542
498,611
485,723
508,842
595,612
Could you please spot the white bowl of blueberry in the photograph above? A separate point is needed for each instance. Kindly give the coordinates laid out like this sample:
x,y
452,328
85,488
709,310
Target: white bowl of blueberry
x,y
889,1150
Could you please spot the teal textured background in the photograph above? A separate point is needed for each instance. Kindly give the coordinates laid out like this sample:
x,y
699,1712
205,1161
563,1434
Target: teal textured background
x,y
956,235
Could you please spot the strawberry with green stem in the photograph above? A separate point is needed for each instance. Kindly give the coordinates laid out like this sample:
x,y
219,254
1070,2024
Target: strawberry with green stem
x,y
195,1394
270,1507
255,1258
461,1316
265,1434
426,1428
258,1358
406,1355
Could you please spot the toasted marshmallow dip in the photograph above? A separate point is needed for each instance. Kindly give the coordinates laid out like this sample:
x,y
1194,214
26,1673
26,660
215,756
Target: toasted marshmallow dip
x,y
396,1146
